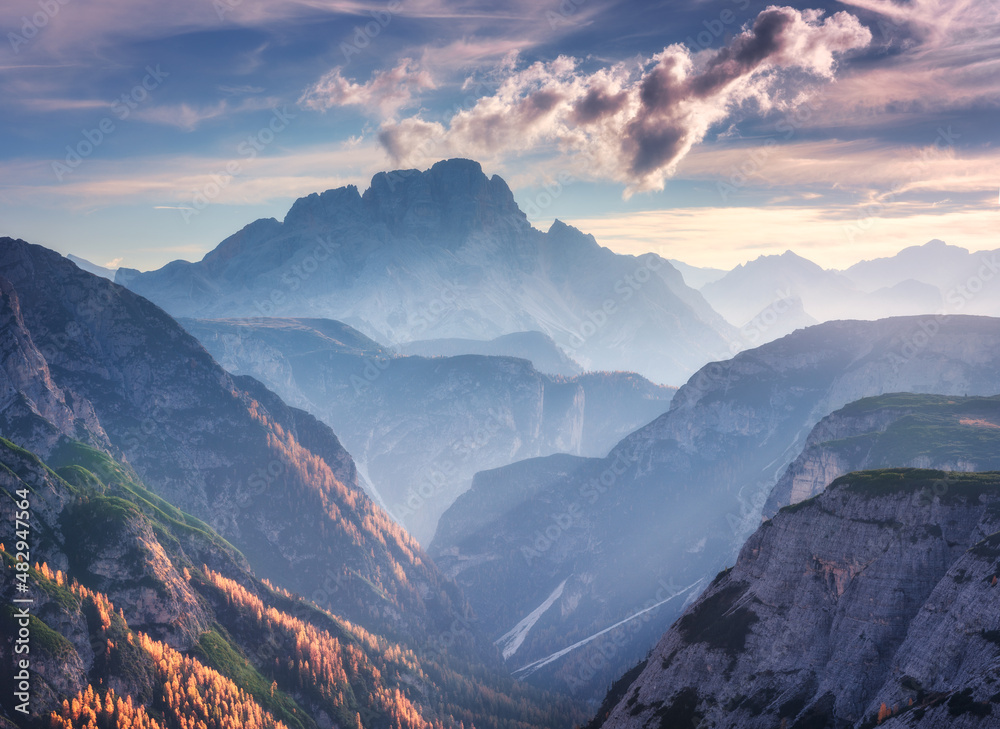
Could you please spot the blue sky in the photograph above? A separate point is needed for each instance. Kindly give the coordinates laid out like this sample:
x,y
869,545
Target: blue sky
x,y
137,132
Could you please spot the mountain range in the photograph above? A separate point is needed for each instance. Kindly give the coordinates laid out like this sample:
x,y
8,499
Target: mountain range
x,y
604,540
768,282
182,505
402,460
928,279
419,428
446,253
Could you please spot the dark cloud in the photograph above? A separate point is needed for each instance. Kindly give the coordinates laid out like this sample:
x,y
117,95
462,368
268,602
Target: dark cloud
x,y
598,103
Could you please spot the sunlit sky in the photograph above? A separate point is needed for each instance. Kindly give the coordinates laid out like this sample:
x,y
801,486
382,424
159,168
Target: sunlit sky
x,y
135,132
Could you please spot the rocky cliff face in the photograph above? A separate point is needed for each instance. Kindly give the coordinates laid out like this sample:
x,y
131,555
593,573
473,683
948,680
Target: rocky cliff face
x,y
922,431
873,602
418,427
446,253
674,501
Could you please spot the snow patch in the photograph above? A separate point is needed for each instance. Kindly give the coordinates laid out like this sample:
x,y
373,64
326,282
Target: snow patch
x,y
532,667
510,641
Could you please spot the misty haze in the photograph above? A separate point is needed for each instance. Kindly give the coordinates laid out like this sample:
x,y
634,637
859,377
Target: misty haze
x,y
418,364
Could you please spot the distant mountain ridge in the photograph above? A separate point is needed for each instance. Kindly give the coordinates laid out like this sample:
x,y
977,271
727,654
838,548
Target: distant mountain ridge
x,y
419,428
673,501
446,253
768,281
88,360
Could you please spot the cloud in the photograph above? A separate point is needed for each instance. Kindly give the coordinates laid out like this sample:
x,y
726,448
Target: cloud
x,y
386,93
947,59
169,181
188,117
866,167
705,236
634,122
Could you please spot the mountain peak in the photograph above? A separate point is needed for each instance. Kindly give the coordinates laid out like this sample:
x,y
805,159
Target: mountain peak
x,y
449,200
324,207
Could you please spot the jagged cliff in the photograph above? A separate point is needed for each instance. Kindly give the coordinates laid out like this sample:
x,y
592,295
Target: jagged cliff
x,y
874,602
922,431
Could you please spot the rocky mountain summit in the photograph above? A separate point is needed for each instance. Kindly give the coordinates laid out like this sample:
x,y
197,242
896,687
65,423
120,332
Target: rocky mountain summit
x,y
446,253
872,604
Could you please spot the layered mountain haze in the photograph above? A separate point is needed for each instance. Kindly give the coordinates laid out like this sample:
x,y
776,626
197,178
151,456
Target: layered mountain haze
x,y
123,377
419,428
537,348
310,420
873,604
671,504
769,281
938,264
446,253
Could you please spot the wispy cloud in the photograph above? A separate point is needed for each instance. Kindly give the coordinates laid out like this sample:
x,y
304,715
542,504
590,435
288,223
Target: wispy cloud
x,y
384,94
862,166
725,237
165,181
189,116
